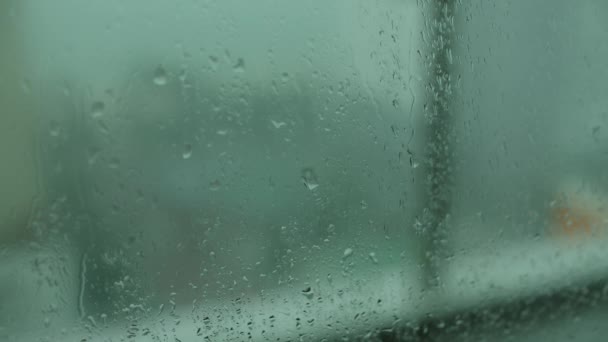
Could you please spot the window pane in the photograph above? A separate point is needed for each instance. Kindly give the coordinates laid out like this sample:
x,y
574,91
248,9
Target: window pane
x,y
302,170
528,221
217,169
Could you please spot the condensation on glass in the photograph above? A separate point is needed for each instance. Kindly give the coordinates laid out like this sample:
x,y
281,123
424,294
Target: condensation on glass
x,y
302,170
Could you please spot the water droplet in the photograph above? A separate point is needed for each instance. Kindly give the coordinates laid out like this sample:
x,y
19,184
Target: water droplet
x,y
187,151
308,293
311,186
277,124
309,178
97,109
363,204
348,252
449,56
183,76
54,128
240,65
372,257
331,229
595,131
213,61
103,127
160,76
215,185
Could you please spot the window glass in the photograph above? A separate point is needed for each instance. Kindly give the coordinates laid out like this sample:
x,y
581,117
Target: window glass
x,y
214,169
383,170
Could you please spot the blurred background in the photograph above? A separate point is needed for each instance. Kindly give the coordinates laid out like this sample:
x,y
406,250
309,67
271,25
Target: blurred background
x,y
385,170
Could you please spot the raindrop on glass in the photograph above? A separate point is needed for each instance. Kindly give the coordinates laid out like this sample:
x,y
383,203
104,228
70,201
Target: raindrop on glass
x,y
363,204
240,65
160,76
277,124
215,185
373,258
54,128
348,252
187,151
213,62
309,178
97,109
308,293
